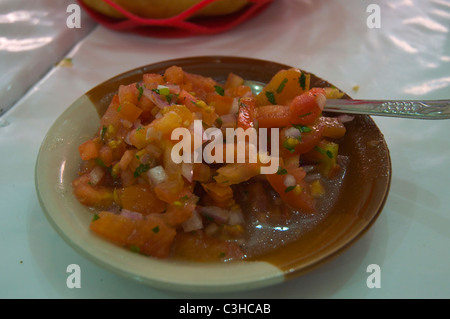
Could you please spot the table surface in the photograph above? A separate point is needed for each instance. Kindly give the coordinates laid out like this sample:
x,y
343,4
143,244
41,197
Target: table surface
x,y
406,57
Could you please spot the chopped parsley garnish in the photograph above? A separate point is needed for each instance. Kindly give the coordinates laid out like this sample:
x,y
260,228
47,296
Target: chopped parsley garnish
x,y
141,169
218,122
287,144
219,90
135,249
302,128
328,153
305,115
156,229
141,91
302,81
170,96
95,217
271,97
99,162
282,84
102,133
119,108
287,190
281,171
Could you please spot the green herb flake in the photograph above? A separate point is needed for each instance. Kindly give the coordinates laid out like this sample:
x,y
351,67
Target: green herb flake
x,y
103,133
281,86
169,97
135,249
305,115
287,190
141,169
218,122
219,90
281,171
95,217
327,153
290,147
155,229
271,97
302,128
119,108
141,91
99,162
222,254
302,81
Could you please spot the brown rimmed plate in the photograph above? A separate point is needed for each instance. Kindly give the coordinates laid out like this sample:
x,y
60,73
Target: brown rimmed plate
x,y
361,200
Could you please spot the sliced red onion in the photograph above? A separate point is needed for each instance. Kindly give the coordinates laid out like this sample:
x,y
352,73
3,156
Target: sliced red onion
x,y
218,214
321,100
153,134
234,106
157,99
96,175
293,132
289,180
131,214
228,120
344,118
236,217
211,229
157,175
187,170
193,223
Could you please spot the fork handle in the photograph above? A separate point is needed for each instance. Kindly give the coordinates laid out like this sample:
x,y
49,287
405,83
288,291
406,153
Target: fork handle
x,y
427,109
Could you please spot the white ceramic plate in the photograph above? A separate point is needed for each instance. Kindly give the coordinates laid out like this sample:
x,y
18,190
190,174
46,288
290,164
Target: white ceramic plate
x,y
58,161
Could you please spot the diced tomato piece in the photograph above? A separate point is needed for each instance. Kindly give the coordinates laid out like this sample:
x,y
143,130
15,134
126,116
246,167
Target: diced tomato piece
x,y
111,116
129,111
292,146
246,112
149,236
128,93
181,210
236,173
233,81
169,190
87,194
297,196
89,149
174,74
273,116
219,193
106,155
141,198
306,108
200,247
222,103
152,80
332,127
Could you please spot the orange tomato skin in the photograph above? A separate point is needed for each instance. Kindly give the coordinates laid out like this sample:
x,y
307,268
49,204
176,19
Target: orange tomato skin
x,y
273,116
304,108
302,201
89,150
246,113
150,235
142,199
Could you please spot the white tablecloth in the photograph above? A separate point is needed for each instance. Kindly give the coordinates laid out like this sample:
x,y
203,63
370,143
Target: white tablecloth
x,y
408,57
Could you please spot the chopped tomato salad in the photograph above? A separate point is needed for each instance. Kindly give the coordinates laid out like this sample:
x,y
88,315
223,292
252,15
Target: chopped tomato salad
x,y
149,203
